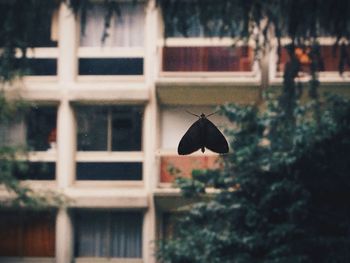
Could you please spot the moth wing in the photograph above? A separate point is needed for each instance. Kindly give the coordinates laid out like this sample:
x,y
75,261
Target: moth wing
x,y
191,141
214,139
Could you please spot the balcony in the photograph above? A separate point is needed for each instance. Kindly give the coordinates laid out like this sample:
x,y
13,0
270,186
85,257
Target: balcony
x,y
172,166
206,71
330,79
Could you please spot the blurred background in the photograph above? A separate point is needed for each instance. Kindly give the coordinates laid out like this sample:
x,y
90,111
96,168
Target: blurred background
x,y
105,86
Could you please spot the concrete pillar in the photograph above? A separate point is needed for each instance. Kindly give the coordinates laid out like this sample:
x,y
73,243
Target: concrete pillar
x,y
67,69
65,165
66,144
67,62
150,170
64,237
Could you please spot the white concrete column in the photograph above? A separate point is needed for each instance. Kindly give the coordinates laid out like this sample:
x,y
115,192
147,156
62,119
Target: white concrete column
x,y
66,134
67,43
150,127
66,145
64,237
67,70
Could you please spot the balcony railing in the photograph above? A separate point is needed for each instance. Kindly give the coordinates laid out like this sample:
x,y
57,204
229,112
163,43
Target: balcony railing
x,y
172,166
203,56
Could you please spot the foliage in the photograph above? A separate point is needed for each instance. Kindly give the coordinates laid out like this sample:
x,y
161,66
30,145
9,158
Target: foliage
x,y
21,25
299,20
302,22
281,196
20,194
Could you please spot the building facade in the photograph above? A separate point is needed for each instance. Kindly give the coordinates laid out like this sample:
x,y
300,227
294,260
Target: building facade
x,y
105,122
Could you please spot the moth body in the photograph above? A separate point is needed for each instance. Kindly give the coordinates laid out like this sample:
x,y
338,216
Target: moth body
x,y
202,134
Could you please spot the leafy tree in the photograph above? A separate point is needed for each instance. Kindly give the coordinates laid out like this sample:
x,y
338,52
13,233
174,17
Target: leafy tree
x,y
280,196
20,195
21,28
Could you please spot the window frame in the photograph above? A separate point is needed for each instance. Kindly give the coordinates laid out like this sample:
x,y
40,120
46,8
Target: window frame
x,y
48,156
105,51
112,156
107,258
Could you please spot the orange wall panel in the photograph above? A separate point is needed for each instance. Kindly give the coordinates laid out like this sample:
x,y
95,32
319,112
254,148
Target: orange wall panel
x,y
173,166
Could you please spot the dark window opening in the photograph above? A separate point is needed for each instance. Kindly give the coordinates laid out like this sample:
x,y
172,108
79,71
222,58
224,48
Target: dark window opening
x,y
109,128
111,66
109,171
36,27
41,127
35,171
37,66
92,128
36,129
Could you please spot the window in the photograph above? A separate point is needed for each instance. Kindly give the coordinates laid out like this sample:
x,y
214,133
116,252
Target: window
x,y
116,50
41,128
36,171
105,130
109,128
130,171
43,25
108,234
38,66
38,29
36,129
110,66
194,28
204,49
126,27
27,234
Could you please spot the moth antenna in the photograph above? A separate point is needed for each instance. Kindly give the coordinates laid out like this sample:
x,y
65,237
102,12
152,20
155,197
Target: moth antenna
x,y
213,113
192,113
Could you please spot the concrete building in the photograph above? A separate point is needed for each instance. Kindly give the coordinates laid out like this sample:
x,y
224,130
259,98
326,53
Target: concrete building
x,y
105,126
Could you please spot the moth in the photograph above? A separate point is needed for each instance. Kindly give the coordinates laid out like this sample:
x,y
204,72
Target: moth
x,y
202,134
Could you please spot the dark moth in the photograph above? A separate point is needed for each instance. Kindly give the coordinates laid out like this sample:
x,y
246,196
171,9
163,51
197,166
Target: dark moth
x,y
202,134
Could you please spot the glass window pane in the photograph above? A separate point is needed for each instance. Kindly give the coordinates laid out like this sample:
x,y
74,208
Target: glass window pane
x,y
108,234
126,29
126,238
92,128
129,26
38,66
109,171
91,234
126,128
110,66
40,28
36,171
41,127
105,128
